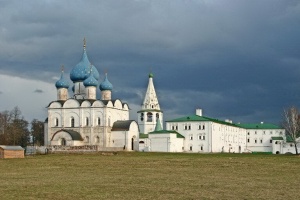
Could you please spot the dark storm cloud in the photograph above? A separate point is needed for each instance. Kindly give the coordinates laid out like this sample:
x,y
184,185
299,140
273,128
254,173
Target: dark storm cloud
x,y
235,59
38,91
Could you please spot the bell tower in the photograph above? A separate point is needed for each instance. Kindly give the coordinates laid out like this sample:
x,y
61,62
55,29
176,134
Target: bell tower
x,y
150,112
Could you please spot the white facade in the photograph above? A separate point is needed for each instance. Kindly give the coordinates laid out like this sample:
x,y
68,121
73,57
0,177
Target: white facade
x,y
206,135
259,137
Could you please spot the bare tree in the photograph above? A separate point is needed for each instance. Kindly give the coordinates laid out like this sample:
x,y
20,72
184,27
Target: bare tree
x,y
13,128
292,124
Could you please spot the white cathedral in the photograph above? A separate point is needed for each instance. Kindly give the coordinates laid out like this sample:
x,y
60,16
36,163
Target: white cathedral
x,y
83,121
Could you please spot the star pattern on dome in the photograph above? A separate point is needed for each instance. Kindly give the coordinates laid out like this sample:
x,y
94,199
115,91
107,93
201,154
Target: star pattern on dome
x,y
106,85
62,82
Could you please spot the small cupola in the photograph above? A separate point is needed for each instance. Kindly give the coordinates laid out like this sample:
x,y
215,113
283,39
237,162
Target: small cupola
x,y
62,82
106,88
62,86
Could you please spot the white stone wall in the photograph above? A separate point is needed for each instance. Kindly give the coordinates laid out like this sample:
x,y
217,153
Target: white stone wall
x,y
260,140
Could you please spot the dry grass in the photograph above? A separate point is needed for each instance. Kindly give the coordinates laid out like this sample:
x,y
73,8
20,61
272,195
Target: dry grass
x,y
151,176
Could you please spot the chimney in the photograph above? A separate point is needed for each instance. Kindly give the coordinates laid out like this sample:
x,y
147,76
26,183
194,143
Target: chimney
x,y
199,111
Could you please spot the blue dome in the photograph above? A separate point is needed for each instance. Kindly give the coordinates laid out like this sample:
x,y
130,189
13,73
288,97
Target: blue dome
x,y
62,82
90,81
81,71
106,85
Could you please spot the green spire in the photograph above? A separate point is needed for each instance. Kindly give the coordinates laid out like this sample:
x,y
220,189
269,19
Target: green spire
x,y
158,125
150,75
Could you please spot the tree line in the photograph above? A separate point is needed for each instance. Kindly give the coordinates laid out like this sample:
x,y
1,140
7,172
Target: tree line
x,y
15,130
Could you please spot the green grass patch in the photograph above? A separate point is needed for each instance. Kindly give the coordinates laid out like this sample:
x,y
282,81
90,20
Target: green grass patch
x,y
151,176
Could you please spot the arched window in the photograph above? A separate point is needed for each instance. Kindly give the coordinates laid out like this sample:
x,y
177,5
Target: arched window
x,y
142,116
63,142
97,139
157,116
86,121
98,121
72,122
149,117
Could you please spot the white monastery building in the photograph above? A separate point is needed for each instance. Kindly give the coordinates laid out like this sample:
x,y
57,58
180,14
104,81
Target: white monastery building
x,y
84,120
200,134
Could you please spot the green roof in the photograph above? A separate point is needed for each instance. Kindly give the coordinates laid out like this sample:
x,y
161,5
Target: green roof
x,y
142,135
178,135
289,138
198,118
277,138
259,126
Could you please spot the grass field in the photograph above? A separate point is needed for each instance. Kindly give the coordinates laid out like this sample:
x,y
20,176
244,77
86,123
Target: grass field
x,y
151,176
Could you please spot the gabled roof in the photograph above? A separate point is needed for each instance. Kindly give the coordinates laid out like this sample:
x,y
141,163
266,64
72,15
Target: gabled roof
x,y
178,135
197,118
14,148
259,126
122,125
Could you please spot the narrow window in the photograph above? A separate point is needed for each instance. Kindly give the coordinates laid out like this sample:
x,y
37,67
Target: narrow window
x,y
248,140
248,133
98,121
201,148
87,121
261,141
203,137
270,141
142,116
191,148
63,142
56,121
255,141
72,122
189,127
191,137
203,127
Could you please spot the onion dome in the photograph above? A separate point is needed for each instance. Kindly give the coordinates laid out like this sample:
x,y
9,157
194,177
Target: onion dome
x,y
106,85
81,71
62,82
90,81
150,75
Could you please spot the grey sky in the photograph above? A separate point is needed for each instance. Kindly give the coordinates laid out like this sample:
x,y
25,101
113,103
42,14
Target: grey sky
x,y
235,59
